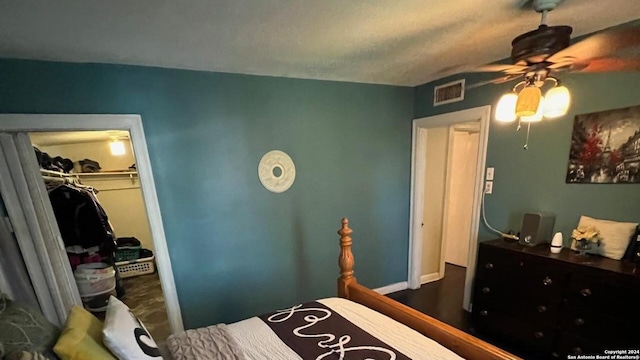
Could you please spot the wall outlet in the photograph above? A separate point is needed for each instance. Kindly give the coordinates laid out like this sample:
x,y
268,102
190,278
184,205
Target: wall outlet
x,y
488,187
490,171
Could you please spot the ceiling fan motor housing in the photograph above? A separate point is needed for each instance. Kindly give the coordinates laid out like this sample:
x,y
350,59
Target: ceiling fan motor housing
x,y
536,46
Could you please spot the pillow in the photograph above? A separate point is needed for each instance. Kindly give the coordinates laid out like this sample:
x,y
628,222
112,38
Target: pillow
x,y
634,246
125,335
81,338
24,329
615,236
23,355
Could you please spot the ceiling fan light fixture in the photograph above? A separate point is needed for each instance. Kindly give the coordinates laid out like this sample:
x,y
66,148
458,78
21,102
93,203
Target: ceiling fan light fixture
x,y
528,101
557,102
538,115
506,109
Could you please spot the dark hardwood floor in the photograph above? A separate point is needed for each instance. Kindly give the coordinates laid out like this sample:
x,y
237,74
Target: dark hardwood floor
x,y
442,300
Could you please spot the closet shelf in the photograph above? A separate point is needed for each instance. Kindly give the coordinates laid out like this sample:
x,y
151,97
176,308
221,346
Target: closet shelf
x,y
109,173
97,174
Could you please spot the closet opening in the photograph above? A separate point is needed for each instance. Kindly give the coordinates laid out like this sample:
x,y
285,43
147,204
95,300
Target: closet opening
x,y
92,183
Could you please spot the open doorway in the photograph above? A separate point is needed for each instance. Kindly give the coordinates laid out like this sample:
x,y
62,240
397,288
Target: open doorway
x,y
31,214
449,154
451,160
93,186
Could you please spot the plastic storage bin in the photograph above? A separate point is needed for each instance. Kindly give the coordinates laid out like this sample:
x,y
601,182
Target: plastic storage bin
x,y
94,278
98,302
96,283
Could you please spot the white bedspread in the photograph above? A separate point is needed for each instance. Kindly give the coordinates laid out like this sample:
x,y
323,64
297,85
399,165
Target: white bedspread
x,y
260,343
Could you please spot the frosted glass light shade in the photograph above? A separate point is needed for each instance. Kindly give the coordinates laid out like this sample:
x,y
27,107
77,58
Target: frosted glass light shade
x,y
528,101
506,109
538,115
117,148
557,101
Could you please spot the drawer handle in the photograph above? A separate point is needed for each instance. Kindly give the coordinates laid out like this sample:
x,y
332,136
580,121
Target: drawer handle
x,y
484,313
579,321
538,334
542,308
489,266
577,350
585,292
486,290
547,281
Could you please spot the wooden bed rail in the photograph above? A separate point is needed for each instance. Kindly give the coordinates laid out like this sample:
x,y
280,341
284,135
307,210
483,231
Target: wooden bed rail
x,y
463,344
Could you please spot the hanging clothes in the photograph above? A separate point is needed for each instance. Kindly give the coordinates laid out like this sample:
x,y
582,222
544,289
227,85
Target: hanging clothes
x,y
81,219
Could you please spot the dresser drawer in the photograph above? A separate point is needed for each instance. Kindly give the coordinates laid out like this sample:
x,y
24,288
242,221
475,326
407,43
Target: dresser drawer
x,y
613,299
588,324
569,344
539,311
516,328
514,274
541,279
496,263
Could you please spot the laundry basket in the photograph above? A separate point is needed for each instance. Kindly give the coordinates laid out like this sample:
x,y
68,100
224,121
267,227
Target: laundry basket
x,y
128,249
138,267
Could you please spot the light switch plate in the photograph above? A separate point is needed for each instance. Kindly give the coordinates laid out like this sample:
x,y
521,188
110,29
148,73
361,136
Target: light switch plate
x,y
488,187
490,172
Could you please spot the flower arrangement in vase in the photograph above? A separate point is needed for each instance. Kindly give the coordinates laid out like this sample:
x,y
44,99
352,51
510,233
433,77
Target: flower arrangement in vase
x,y
585,236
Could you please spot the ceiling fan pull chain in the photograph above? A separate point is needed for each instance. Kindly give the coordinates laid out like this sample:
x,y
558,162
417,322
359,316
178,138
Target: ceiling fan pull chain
x,y
526,143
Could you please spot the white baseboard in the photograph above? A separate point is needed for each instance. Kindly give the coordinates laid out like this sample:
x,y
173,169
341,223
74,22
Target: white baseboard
x,y
430,277
392,288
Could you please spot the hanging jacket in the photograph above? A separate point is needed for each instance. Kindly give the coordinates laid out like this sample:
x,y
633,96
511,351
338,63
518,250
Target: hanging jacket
x,y
81,219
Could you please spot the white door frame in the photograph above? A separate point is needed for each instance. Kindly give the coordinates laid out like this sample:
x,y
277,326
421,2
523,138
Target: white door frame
x,y
133,124
418,167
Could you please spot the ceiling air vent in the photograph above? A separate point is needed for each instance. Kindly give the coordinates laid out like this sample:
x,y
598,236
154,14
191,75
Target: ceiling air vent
x,y
448,93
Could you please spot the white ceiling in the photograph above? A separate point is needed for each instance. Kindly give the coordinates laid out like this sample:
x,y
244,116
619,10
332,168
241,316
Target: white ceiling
x,y
75,137
403,42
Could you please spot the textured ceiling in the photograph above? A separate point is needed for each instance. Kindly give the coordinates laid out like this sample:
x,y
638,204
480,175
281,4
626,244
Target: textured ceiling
x,y
403,42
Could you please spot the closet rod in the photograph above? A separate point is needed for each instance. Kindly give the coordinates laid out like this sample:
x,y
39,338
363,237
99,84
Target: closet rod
x,y
56,174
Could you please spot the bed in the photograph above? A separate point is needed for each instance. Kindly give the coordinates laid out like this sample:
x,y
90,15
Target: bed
x,y
358,324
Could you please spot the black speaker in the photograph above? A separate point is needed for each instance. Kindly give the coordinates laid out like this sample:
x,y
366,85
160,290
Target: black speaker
x,y
537,228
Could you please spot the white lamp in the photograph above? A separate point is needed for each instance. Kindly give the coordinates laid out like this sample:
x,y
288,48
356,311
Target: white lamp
x,y
117,147
557,102
506,109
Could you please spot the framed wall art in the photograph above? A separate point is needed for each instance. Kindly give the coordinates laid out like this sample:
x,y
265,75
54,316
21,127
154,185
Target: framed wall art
x,y
605,147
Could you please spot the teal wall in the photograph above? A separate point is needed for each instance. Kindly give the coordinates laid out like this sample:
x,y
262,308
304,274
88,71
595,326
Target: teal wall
x,y
238,250
534,180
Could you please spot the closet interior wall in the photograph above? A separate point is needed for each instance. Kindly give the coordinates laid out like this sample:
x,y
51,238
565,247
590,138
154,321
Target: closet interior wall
x,y
120,196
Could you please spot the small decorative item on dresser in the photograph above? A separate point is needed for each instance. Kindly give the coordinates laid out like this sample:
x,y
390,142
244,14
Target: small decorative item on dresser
x,y
584,237
556,243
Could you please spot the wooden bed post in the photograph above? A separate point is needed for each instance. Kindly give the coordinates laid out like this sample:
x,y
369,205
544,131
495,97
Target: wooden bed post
x,y
345,261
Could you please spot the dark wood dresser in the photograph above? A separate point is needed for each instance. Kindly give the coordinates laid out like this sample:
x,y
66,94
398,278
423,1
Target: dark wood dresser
x,y
556,304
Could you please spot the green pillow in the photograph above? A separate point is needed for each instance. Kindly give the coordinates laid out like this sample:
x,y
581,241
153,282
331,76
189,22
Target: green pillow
x,y
25,329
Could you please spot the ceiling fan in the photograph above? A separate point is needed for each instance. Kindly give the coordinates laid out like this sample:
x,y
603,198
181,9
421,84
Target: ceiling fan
x,y
539,54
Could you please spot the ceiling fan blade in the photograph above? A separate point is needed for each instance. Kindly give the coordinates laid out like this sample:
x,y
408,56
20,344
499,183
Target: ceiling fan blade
x,y
605,43
610,64
500,80
507,69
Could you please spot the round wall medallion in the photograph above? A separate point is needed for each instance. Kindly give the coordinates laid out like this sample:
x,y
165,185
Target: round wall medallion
x,y
276,171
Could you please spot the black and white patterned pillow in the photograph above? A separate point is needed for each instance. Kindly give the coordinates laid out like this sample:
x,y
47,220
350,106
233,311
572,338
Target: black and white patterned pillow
x,y
125,335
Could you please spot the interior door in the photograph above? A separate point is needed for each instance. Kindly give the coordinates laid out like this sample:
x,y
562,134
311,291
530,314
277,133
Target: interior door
x,y
458,224
35,227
